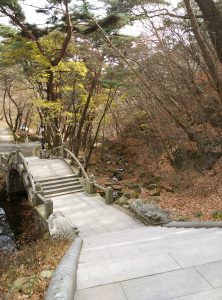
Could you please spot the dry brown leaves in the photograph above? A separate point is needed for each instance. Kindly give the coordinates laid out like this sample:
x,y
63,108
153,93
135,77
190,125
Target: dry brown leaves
x,y
28,263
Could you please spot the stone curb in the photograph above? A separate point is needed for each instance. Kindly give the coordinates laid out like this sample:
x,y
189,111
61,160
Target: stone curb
x,y
63,283
194,224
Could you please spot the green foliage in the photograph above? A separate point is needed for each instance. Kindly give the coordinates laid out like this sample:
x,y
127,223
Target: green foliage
x,y
127,6
53,108
13,7
217,214
197,214
114,77
7,31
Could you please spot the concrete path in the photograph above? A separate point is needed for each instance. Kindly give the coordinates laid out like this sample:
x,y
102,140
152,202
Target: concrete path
x,y
7,146
92,215
122,259
5,136
47,168
151,263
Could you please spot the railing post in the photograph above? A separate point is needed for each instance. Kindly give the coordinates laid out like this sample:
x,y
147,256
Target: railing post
x,y
90,188
109,195
29,180
36,151
48,207
63,152
79,174
13,157
38,190
44,153
18,158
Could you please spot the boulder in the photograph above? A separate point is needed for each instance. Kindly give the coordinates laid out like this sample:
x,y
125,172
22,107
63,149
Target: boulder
x,y
152,186
150,213
23,284
117,187
46,274
61,227
123,200
157,193
154,199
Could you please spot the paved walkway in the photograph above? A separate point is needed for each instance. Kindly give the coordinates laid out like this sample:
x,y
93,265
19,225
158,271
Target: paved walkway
x,y
151,263
122,259
92,215
6,143
5,136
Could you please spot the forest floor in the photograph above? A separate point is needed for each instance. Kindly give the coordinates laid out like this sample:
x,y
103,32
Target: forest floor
x,y
26,271
186,194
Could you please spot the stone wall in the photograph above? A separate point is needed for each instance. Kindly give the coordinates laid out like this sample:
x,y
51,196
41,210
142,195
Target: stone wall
x,y
41,223
14,182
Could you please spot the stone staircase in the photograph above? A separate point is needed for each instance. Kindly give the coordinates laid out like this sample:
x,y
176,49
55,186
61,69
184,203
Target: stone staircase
x,y
151,263
60,185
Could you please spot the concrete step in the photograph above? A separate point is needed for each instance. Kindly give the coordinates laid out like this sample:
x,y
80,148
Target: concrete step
x,y
53,186
63,189
139,258
57,178
64,193
151,246
124,270
60,181
143,237
135,234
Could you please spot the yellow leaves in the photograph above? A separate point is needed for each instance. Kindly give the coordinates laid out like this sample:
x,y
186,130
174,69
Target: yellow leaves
x,y
67,114
52,43
144,126
140,113
52,106
78,68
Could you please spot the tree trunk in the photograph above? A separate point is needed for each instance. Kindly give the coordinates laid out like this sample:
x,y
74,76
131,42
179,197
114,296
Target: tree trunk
x,y
213,18
212,64
83,117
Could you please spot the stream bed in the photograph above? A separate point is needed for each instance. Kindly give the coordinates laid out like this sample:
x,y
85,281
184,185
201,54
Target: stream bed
x,y
16,222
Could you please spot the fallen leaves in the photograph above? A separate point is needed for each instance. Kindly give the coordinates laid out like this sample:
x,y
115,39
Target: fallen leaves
x,y
20,272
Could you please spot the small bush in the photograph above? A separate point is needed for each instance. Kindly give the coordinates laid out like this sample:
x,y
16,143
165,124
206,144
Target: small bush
x,y
197,214
217,214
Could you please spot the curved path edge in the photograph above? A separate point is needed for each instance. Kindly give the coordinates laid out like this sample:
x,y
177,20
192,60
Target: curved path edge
x,y
63,283
209,224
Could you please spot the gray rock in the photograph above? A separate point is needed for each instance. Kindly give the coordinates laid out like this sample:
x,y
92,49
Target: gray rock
x,y
46,274
61,227
22,284
154,199
157,193
152,186
123,200
126,206
150,213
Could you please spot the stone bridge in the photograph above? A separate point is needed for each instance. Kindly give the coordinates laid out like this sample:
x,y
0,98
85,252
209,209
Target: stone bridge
x,y
47,176
118,258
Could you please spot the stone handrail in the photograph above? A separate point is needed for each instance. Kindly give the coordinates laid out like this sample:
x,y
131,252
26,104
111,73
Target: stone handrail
x,y
89,183
4,159
21,159
101,187
108,192
62,150
78,163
